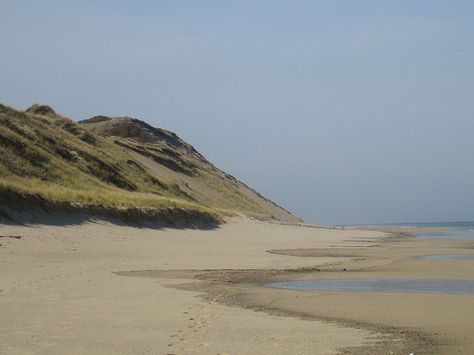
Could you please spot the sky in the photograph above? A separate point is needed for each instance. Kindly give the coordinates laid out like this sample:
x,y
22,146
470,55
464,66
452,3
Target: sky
x,y
343,112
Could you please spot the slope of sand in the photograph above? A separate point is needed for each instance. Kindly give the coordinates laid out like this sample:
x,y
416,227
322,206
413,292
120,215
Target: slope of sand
x,y
60,293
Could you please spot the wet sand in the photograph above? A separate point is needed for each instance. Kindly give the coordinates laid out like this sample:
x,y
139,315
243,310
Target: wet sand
x,y
67,289
404,322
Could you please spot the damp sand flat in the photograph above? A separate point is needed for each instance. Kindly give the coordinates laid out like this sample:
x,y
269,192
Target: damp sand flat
x,y
465,287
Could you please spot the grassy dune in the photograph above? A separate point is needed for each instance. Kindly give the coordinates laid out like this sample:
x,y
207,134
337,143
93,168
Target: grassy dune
x,y
51,157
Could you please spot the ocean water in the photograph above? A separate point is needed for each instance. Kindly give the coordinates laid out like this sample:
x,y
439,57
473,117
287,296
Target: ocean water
x,y
454,230
465,287
460,225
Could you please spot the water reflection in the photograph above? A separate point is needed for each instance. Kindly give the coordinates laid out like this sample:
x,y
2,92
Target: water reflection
x,y
381,285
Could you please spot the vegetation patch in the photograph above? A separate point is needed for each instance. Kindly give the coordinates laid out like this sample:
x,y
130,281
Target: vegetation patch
x,y
119,165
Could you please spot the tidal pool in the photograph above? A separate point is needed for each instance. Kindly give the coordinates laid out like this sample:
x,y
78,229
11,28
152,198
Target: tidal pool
x,y
381,285
449,257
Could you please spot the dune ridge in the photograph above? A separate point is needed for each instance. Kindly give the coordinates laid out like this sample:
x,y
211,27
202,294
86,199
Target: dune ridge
x,y
116,166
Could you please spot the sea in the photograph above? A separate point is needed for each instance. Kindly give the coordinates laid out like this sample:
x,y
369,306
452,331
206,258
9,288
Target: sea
x,y
447,230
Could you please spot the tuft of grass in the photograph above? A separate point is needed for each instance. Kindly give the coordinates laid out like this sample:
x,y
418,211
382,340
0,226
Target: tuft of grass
x,y
92,195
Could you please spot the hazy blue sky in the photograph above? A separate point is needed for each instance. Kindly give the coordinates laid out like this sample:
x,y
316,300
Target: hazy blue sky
x,y
341,111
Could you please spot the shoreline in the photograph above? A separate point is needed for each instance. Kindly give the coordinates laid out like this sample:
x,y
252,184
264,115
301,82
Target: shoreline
x,y
246,288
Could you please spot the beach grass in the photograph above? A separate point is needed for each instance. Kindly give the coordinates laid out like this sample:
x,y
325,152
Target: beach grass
x,y
52,157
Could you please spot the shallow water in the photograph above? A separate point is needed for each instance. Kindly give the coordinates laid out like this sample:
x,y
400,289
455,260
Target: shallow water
x,y
455,234
381,285
449,257
458,233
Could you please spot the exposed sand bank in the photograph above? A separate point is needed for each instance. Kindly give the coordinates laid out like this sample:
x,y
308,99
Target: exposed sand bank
x,y
62,291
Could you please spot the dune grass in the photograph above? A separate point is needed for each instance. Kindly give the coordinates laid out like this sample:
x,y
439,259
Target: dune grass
x,y
50,156
92,195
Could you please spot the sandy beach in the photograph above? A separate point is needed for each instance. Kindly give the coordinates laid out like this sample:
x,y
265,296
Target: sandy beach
x,y
68,290
236,178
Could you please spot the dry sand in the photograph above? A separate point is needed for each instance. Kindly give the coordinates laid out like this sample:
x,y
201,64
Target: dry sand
x,y
63,291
